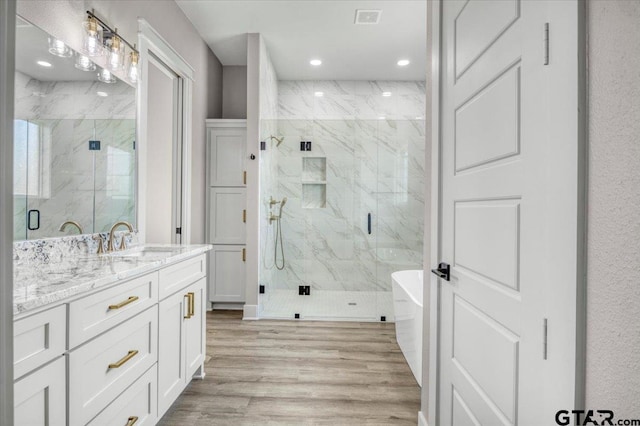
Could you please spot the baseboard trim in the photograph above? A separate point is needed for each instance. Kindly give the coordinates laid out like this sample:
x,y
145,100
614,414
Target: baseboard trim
x,y
422,421
250,312
227,306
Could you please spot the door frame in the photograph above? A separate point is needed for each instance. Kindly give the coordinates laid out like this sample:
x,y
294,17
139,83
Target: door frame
x,y
430,415
152,43
7,75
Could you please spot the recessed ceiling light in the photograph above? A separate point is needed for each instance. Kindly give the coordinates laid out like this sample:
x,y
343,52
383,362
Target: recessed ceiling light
x,y
319,94
315,62
381,118
386,94
403,62
44,64
419,117
102,94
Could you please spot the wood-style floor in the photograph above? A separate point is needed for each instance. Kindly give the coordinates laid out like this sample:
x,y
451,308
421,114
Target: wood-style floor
x,y
299,373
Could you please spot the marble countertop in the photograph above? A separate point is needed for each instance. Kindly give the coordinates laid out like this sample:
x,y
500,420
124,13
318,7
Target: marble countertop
x,y
42,282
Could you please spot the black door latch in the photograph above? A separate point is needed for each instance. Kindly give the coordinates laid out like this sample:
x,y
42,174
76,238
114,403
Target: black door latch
x,y
443,271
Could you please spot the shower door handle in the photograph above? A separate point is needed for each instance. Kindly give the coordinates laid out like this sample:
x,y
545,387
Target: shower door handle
x,y
369,223
31,227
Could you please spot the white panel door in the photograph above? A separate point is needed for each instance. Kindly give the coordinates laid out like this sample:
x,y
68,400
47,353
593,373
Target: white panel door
x,y
227,149
509,213
227,271
171,373
195,329
40,398
227,223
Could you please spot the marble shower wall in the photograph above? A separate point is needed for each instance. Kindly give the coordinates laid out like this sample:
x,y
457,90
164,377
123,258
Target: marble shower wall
x,y
371,165
55,172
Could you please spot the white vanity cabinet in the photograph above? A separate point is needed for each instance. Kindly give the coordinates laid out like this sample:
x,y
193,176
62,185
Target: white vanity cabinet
x,y
226,209
121,355
40,369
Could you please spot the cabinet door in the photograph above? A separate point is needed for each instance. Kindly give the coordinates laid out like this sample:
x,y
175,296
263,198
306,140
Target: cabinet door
x,y
227,273
227,215
41,397
171,338
195,329
227,149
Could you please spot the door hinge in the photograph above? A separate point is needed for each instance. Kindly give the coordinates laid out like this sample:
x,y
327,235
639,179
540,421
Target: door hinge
x,y
179,231
544,339
546,43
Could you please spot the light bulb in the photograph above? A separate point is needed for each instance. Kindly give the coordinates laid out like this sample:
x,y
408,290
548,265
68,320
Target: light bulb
x,y
106,77
133,70
92,37
58,48
83,63
115,57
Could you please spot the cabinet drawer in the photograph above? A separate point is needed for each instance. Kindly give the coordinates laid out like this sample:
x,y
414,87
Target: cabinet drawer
x,y
180,275
98,312
103,368
40,398
38,339
136,404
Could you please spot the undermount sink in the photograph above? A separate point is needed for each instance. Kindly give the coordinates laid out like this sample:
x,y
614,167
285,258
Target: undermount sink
x,y
144,252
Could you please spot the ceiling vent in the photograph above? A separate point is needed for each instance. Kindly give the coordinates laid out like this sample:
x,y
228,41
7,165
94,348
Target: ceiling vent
x,y
367,17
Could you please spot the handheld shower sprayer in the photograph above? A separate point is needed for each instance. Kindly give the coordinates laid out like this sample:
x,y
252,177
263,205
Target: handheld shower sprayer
x,y
278,232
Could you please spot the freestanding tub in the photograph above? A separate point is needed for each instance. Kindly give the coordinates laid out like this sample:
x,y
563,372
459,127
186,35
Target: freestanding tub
x,y
407,306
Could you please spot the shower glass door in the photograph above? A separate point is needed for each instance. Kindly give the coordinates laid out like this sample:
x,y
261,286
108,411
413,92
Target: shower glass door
x,y
353,215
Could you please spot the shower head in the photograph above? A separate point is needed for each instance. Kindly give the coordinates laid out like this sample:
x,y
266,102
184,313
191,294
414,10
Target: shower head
x,y
283,202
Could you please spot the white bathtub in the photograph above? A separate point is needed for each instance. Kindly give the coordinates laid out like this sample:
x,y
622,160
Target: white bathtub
x,y
407,305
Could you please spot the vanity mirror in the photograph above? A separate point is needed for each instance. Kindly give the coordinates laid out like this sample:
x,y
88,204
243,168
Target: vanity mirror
x,y
74,141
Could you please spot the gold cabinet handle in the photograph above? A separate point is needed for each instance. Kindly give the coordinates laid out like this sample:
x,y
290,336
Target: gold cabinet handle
x,y
188,296
244,177
132,421
244,215
124,303
126,358
192,303
244,255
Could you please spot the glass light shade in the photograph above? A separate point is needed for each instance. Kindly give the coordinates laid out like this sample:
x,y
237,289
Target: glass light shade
x,y
133,69
83,63
92,38
115,53
58,48
105,76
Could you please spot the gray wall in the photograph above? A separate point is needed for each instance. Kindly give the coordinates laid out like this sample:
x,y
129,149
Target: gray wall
x,y
613,252
63,19
234,91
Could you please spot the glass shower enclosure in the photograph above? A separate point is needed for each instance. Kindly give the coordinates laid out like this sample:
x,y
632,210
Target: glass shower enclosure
x,y
353,214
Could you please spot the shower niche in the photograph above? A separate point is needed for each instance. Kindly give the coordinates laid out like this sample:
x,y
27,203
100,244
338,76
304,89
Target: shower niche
x,y
314,182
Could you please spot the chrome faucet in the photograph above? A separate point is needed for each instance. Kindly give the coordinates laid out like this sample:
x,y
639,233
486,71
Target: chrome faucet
x,y
110,246
73,223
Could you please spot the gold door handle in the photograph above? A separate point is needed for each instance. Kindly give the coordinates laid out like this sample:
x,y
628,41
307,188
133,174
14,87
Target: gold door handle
x,y
189,297
244,215
132,421
244,255
123,303
244,177
192,303
126,358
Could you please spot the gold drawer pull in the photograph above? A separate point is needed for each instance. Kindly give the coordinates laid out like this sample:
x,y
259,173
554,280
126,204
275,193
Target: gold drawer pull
x,y
124,303
132,421
244,216
190,305
244,177
127,357
244,255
